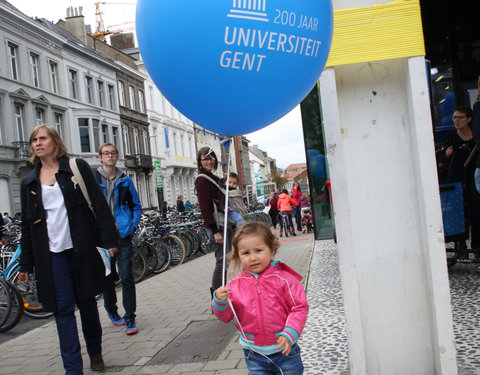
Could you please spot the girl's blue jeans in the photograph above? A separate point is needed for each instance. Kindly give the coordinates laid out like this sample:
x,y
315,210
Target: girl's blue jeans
x,y
271,364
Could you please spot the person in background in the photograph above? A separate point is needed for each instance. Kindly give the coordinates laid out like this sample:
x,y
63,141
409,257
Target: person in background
x,y
272,202
209,195
180,205
59,239
284,204
458,147
188,206
6,218
296,195
304,203
164,209
124,203
237,211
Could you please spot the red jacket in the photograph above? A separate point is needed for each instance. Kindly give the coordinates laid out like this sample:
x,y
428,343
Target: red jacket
x,y
284,201
296,195
268,304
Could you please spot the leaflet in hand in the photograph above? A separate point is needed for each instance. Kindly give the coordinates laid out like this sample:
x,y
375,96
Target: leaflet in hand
x,y
105,254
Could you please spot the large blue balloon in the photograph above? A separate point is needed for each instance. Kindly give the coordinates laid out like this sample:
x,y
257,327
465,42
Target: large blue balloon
x,y
234,66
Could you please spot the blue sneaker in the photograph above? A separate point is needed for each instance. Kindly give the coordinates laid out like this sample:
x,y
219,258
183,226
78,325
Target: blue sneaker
x,y
130,327
116,319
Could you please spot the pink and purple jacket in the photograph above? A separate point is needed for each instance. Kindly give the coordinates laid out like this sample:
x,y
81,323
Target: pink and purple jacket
x,y
270,304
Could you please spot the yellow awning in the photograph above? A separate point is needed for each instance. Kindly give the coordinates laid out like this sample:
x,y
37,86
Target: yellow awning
x,y
379,32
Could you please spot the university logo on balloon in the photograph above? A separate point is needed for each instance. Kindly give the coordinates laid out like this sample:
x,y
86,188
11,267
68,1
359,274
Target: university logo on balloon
x,y
234,66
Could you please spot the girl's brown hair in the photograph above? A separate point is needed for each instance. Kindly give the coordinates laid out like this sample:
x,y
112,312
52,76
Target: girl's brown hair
x,y
61,149
251,229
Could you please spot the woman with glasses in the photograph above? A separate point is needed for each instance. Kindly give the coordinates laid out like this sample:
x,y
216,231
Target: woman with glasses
x,y
208,191
458,156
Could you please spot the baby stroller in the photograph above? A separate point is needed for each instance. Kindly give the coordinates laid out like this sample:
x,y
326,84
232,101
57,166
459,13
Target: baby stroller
x,y
307,220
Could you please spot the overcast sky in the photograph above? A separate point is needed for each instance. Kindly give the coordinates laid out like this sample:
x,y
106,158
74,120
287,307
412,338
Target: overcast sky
x,y
282,140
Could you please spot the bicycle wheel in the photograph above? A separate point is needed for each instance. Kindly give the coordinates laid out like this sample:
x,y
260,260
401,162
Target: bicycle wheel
x,y
148,250
164,256
16,311
187,242
31,305
5,302
285,225
177,248
139,262
205,242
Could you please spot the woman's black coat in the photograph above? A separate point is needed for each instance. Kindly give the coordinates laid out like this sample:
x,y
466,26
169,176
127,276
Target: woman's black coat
x,y
86,231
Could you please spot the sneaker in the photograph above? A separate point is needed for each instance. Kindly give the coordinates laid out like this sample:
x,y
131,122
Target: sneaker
x,y
130,327
116,319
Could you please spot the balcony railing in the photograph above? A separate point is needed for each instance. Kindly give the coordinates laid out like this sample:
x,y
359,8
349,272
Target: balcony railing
x,y
21,150
143,161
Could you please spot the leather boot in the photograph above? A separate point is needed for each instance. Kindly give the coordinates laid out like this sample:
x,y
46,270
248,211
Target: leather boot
x,y
281,232
96,362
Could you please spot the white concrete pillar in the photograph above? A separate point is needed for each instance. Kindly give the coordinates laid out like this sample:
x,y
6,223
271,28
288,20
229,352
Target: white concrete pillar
x,y
387,212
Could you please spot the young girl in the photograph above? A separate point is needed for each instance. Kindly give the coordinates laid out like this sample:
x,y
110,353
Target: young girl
x,y
269,302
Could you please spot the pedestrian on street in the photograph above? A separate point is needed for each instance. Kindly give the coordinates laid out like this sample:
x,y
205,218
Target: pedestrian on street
x,y
180,205
269,302
208,191
188,206
272,202
59,238
284,204
296,195
124,203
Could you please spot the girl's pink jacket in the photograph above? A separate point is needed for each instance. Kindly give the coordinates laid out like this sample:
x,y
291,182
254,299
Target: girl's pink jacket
x,y
269,304
284,201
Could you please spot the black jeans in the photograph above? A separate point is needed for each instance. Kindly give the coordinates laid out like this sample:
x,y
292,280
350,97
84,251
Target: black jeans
x,y
217,277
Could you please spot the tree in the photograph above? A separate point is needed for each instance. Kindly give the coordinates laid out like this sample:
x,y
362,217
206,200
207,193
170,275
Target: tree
x,y
278,179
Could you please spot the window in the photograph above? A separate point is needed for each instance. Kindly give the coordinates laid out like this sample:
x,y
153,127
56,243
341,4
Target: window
x,y
54,76
104,133
167,143
115,136
136,141
182,148
72,78
126,140
19,122
121,93
84,134
39,116
131,93
13,56
89,89
141,101
101,93
34,65
111,97
96,134
174,141
145,142
58,120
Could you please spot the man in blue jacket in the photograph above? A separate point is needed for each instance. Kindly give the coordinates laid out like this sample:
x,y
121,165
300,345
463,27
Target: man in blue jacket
x,y
122,197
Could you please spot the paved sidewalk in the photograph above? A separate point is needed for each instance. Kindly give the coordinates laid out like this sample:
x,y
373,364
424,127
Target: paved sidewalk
x,y
167,304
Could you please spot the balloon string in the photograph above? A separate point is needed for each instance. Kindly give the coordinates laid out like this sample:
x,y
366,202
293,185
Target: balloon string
x,y
226,220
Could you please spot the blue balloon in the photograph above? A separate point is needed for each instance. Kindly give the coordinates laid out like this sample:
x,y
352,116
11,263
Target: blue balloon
x,y
318,166
448,104
311,153
234,66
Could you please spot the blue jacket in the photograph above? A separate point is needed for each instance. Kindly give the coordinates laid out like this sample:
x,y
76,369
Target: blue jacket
x,y
128,208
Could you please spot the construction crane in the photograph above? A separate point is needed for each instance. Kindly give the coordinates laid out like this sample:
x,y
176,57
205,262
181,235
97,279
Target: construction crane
x,y
100,31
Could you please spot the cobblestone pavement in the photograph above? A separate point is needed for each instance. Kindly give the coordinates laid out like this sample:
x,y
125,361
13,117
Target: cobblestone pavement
x,y
169,302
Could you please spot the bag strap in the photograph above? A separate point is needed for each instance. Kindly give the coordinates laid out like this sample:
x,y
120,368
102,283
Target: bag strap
x,y
212,181
81,183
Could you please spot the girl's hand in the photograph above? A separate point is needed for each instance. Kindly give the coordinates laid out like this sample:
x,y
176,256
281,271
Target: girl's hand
x,y
283,341
449,152
222,293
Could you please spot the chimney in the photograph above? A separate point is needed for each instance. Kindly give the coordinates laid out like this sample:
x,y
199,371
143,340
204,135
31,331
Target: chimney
x,y
122,41
75,23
